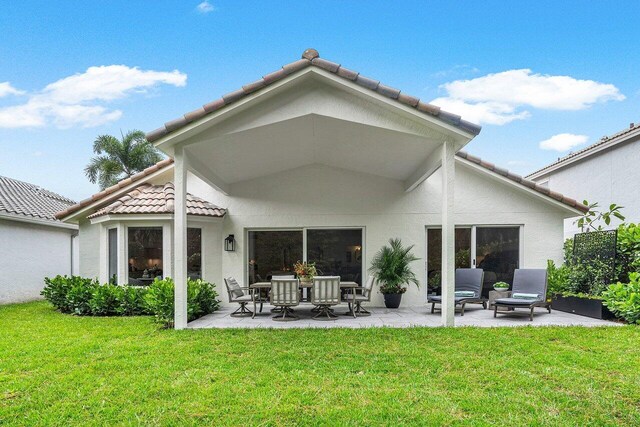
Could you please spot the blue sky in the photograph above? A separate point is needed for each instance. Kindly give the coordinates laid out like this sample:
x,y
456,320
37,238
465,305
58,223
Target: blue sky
x,y
582,80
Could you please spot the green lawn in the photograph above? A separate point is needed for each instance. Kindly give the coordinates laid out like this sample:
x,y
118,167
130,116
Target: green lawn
x,y
62,370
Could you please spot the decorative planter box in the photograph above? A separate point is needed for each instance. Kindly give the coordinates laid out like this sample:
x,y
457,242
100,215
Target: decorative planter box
x,y
581,306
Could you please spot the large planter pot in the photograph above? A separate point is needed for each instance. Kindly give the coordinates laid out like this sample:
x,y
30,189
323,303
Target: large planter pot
x,y
392,300
581,306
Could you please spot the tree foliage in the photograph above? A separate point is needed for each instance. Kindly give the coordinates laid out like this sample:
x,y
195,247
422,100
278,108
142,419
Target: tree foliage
x,y
117,159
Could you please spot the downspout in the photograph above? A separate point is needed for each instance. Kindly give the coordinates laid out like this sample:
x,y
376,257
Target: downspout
x,y
72,236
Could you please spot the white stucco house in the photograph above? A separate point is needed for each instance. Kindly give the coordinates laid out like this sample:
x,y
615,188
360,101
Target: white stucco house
x,y
317,162
605,172
33,242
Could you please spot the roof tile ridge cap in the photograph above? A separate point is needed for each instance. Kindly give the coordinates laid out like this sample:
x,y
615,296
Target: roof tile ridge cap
x,y
168,191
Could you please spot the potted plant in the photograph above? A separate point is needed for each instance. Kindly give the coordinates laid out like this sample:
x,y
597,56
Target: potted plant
x,y
501,286
392,268
305,271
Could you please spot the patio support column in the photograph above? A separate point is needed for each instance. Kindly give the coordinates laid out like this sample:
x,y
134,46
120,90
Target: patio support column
x,y
448,234
180,238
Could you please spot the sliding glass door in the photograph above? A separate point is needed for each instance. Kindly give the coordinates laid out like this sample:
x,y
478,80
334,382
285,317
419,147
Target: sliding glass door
x,y
494,249
497,253
273,253
336,252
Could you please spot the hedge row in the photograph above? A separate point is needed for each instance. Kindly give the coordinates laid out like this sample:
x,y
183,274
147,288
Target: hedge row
x,y
87,297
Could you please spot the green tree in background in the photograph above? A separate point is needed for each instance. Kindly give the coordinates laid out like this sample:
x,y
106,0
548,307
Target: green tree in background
x,y
118,159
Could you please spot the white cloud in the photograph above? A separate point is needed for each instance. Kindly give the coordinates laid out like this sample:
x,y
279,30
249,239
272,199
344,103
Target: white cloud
x,y
563,142
501,97
205,7
76,100
6,89
494,113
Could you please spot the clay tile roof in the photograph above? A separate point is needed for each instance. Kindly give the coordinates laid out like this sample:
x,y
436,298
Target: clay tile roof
x,y
157,199
615,138
110,190
29,200
311,58
523,181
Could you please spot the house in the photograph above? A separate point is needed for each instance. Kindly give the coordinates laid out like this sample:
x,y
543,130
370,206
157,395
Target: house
x,y
606,172
317,162
33,242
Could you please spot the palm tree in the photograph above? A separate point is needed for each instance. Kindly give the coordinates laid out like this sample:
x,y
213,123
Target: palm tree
x,y
119,159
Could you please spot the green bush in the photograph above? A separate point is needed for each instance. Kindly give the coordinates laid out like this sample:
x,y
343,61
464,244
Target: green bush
x,y
70,294
132,301
202,299
557,278
160,300
623,299
105,300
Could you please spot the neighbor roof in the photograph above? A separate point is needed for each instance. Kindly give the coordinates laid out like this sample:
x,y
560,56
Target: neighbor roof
x,y
28,200
157,199
311,58
523,181
614,139
110,190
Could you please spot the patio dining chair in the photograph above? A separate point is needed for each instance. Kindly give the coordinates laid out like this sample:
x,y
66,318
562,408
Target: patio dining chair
x,y
285,294
357,296
242,295
529,291
325,294
468,289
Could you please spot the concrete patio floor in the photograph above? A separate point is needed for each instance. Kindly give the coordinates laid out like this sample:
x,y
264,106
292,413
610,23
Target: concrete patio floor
x,y
402,317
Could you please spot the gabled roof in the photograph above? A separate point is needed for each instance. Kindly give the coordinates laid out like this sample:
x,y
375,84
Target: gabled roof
x,y
311,58
524,182
605,141
157,199
30,201
110,190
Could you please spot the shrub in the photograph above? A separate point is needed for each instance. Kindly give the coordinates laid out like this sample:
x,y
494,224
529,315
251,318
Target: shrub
x,y
202,299
628,250
159,299
623,299
105,300
132,301
557,278
69,294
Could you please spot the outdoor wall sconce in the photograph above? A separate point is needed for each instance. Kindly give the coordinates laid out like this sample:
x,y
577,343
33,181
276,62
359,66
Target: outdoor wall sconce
x,y
230,243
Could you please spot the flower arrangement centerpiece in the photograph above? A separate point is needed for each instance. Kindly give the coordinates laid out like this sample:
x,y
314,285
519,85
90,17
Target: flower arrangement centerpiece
x,y
305,271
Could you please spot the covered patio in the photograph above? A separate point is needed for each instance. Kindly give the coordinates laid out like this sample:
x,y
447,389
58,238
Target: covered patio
x,y
314,116
402,317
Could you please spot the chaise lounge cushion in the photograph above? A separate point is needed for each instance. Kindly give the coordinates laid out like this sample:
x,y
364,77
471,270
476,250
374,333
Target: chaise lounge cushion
x,y
438,298
515,301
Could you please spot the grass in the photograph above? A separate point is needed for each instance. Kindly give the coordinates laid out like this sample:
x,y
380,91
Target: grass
x,y
63,370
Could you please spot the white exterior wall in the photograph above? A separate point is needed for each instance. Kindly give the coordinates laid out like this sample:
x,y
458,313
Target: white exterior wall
x,y
608,177
321,196
28,254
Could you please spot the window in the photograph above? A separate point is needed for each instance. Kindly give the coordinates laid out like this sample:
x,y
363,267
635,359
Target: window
x,y
336,252
272,253
145,254
112,245
194,253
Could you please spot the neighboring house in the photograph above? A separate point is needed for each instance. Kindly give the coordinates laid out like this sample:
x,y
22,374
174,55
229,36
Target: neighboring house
x,y
606,172
316,162
33,242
